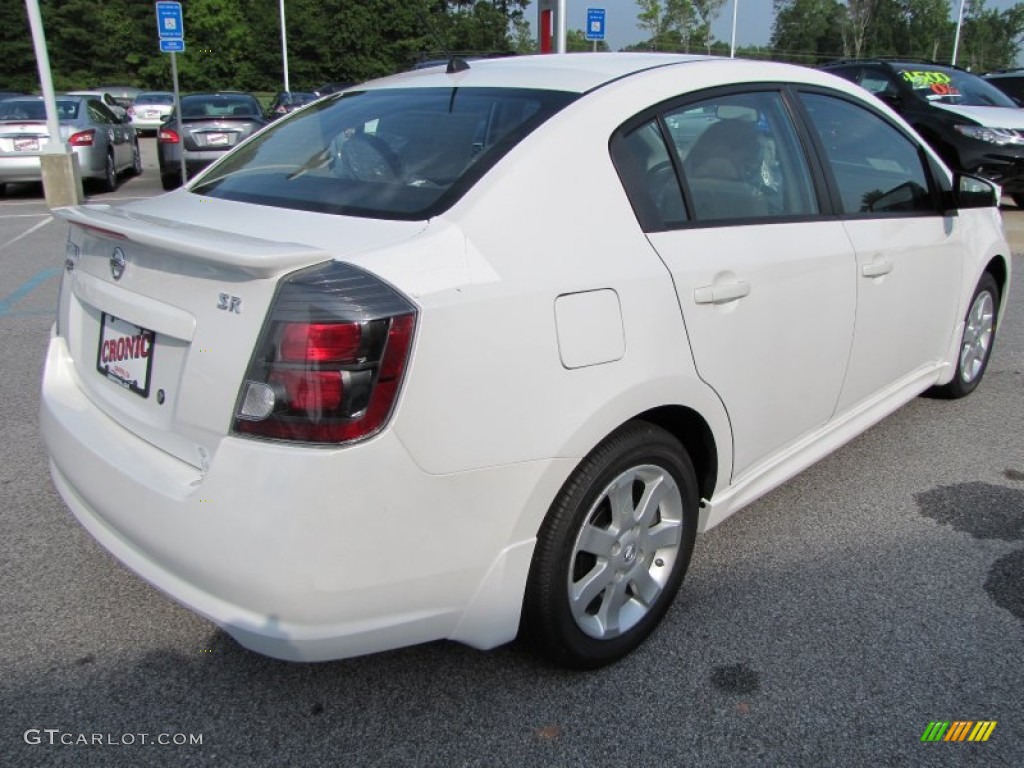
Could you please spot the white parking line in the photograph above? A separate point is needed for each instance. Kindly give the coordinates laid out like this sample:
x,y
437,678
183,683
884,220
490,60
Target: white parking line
x,y
40,225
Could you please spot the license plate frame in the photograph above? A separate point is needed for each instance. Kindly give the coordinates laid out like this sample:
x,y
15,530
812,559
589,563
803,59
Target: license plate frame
x,y
124,354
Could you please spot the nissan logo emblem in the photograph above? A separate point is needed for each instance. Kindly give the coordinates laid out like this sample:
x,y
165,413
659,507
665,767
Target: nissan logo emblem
x,y
117,263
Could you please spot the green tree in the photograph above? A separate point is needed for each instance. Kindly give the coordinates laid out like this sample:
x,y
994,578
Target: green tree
x,y
681,19
576,42
990,39
706,11
928,29
18,71
807,31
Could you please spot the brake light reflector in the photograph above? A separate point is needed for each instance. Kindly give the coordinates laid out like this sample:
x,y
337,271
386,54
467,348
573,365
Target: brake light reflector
x,y
83,138
167,136
330,360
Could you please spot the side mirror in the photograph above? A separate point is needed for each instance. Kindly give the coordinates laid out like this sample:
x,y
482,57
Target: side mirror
x,y
973,192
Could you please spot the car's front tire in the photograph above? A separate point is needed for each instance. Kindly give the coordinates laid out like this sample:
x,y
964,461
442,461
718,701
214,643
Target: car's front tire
x,y
613,549
976,342
1018,200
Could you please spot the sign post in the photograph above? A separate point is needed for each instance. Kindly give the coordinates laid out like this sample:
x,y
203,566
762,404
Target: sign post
x,y
170,26
595,25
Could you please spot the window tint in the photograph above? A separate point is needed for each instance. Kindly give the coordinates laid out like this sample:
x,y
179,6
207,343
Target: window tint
x,y
216,105
877,81
100,114
391,153
742,158
155,98
650,180
878,170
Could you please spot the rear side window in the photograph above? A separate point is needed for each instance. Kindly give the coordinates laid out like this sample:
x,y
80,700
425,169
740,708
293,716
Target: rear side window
x,y
742,158
878,170
646,170
390,153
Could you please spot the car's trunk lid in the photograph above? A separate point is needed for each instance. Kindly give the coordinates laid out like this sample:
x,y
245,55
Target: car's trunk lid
x,y
161,312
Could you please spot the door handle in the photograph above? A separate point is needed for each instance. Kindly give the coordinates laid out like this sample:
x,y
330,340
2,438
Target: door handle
x,y
721,293
876,269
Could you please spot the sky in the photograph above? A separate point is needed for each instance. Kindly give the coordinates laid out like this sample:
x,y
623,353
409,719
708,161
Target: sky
x,y
753,22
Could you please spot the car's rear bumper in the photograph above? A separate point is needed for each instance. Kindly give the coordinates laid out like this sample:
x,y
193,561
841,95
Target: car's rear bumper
x,y
28,168
299,553
20,168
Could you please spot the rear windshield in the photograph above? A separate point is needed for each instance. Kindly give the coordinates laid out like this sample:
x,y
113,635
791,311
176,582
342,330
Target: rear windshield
x,y
14,109
389,154
950,86
155,98
203,105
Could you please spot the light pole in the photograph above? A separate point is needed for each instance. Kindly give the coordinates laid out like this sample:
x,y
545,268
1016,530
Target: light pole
x,y
284,47
62,181
732,45
959,23
560,28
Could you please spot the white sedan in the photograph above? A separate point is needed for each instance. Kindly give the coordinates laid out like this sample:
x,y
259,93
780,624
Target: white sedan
x,y
473,353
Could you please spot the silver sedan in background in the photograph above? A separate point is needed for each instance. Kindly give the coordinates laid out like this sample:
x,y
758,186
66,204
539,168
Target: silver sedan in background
x,y
105,145
150,110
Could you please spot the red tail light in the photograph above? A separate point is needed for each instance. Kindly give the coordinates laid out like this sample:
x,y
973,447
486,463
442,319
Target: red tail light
x,y
167,136
330,361
83,138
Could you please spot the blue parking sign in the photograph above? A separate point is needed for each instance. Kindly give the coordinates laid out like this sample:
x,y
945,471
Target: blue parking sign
x,y
169,23
595,24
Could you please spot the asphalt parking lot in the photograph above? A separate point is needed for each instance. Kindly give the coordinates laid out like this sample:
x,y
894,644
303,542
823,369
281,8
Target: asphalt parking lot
x,y
827,624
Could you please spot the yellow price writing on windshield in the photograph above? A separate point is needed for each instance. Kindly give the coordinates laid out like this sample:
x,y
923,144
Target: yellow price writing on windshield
x,y
922,79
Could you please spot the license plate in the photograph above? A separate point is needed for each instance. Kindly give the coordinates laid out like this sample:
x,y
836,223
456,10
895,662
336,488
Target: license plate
x,y
26,145
217,139
125,355
152,113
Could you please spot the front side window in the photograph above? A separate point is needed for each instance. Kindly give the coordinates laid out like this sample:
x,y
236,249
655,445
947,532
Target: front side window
x,y
878,170
742,158
390,153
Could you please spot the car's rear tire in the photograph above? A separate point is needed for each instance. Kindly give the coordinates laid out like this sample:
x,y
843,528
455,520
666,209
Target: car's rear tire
x,y
170,181
136,167
976,342
613,549
1018,200
109,181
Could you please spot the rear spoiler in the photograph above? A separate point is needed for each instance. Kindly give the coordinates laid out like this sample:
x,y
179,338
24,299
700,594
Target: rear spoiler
x,y
252,255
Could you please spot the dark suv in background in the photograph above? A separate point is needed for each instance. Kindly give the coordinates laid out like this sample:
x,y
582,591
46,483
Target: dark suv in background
x,y
974,127
1009,81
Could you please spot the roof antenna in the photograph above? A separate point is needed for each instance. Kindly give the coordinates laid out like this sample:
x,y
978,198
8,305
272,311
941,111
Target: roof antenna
x,y
455,63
